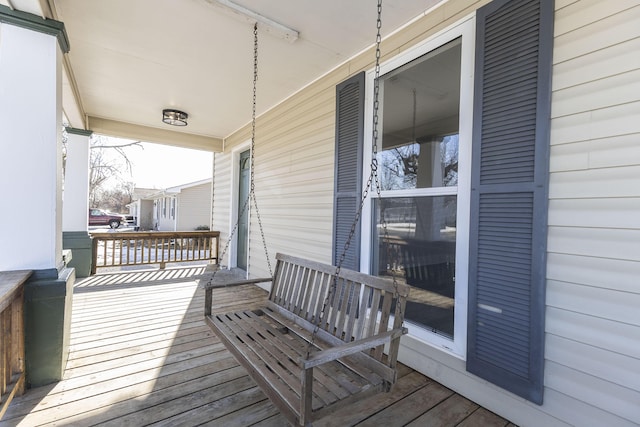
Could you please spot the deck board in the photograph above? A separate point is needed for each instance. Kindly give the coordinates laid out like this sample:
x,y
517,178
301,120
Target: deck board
x,y
141,354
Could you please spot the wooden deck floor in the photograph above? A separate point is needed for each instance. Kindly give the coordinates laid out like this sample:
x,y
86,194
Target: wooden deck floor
x,y
142,355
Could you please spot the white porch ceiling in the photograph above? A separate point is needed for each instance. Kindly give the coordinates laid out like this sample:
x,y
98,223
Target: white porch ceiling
x,y
129,59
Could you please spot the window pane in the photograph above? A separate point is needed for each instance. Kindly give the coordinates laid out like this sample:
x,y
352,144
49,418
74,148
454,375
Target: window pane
x,y
422,164
420,121
420,250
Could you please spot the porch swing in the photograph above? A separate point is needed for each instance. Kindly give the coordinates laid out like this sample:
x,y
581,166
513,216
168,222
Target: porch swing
x,y
317,343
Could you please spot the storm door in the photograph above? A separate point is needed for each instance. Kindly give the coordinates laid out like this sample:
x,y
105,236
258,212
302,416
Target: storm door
x,y
243,215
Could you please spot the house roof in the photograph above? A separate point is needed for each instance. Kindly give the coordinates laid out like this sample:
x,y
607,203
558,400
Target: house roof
x,y
158,193
179,188
129,60
142,193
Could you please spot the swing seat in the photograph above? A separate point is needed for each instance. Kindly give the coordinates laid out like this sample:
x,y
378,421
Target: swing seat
x,y
346,359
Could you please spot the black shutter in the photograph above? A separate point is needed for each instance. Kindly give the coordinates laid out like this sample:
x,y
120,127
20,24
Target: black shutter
x,y
348,168
509,195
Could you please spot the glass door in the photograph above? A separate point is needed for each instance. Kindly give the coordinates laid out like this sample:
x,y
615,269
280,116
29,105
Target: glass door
x,y
243,217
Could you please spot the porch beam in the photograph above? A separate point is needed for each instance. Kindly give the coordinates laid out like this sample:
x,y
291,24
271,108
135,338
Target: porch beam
x,y
36,23
151,134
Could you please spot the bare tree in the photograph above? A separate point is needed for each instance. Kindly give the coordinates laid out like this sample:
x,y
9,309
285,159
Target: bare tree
x,y
104,168
399,167
116,199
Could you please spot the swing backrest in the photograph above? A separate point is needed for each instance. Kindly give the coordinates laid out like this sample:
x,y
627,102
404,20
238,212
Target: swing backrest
x,y
360,306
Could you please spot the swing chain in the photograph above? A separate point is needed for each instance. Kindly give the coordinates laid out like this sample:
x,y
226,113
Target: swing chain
x,y
373,179
374,155
374,160
252,194
253,105
373,176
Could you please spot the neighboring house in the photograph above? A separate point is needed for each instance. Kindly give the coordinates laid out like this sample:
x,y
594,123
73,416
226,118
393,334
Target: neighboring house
x,y
525,205
141,208
180,208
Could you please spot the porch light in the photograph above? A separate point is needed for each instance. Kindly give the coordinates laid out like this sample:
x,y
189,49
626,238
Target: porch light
x,y
174,117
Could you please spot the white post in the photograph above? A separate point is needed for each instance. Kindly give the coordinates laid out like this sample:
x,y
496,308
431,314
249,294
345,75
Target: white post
x,y
31,50
31,149
76,181
76,201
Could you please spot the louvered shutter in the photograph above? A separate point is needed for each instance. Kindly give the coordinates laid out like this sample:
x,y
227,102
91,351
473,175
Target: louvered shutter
x,y
348,167
509,195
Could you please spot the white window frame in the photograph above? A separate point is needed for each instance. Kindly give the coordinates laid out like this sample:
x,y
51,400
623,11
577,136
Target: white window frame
x,y
235,202
465,29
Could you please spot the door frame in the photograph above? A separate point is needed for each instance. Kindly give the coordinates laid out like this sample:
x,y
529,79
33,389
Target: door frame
x,y
234,191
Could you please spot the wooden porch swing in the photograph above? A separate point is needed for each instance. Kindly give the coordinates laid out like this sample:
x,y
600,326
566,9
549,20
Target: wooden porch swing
x,y
317,343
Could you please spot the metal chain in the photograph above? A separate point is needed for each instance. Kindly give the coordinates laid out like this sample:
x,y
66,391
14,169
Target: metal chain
x,y
374,162
245,206
253,104
373,178
252,194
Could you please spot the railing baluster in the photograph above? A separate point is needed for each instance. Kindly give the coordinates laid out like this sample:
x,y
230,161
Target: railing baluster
x,y
175,249
192,245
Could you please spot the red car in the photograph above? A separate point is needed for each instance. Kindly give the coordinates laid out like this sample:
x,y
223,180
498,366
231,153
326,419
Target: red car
x,y
100,217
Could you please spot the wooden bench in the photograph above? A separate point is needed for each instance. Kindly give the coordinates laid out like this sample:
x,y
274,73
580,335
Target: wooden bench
x,y
346,360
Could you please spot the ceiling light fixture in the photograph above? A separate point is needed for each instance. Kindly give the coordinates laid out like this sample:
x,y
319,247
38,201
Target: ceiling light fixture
x,y
248,15
174,117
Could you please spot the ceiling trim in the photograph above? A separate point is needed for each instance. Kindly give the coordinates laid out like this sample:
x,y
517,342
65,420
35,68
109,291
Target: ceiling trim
x,y
36,23
150,134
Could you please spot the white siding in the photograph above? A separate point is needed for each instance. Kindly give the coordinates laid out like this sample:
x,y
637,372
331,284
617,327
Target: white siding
x,y
592,325
193,207
293,179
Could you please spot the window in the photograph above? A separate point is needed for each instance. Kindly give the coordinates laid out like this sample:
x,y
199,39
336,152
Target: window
x,y
164,207
423,169
457,232
173,208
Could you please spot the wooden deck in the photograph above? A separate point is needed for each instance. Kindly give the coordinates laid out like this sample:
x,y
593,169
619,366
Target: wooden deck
x,y
141,354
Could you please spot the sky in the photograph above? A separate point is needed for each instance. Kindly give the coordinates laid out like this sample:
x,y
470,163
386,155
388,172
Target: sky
x,y
162,166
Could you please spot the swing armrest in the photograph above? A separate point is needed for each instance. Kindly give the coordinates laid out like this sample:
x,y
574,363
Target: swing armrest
x,y
334,353
209,286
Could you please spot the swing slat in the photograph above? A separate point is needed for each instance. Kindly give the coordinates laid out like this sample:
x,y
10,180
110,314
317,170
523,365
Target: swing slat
x,y
346,361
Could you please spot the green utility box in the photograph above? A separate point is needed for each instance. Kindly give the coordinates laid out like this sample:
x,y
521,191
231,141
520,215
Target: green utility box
x,y
47,310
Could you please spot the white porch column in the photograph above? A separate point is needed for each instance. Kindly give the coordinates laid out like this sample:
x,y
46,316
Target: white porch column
x,y
31,149
31,50
76,201
76,181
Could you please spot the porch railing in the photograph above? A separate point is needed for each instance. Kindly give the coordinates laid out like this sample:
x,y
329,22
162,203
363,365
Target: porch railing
x,y
116,249
12,366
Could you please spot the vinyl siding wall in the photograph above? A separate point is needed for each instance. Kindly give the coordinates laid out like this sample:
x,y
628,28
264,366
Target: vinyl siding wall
x,y
593,292
193,207
592,371
293,178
